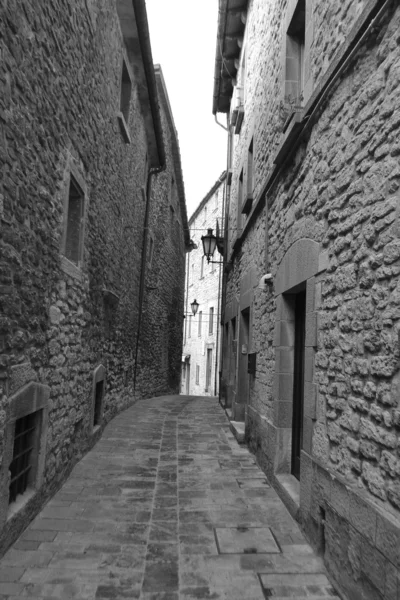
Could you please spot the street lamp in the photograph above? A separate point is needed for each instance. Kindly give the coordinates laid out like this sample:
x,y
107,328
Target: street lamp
x,y
195,306
210,242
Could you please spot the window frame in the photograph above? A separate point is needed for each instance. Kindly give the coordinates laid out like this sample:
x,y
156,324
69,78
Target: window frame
x,y
74,171
211,320
123,119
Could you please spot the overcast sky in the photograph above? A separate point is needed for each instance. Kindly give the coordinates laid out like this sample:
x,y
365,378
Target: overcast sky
x,y
183,40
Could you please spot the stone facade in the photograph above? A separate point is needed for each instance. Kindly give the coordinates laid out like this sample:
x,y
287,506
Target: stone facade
x,y
87,156
202,333
322,217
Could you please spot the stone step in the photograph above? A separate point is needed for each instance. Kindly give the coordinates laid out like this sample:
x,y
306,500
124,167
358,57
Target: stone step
x,y
310,586
238,429
228,412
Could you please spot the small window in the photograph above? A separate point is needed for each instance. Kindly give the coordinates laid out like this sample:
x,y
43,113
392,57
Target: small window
x,y
211,321
240,202
74,223
294,72
183,371
247,199
98,401
250,169
22,463
126,91
151,250
202,268
200,321
197,374
192,277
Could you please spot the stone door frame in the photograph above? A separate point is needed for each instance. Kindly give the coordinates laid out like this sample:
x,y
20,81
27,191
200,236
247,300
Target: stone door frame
x,y
297,269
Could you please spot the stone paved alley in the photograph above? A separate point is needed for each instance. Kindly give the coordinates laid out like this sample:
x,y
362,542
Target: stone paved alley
x,y
166,506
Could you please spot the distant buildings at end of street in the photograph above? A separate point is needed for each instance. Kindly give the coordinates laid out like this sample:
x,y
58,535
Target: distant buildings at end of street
x,y
202,332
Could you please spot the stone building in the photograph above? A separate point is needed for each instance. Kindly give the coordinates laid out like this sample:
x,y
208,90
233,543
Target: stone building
x,y
202,335
312,278
92,237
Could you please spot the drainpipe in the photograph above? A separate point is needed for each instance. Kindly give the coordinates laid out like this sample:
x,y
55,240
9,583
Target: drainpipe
x,y
225,214
147,195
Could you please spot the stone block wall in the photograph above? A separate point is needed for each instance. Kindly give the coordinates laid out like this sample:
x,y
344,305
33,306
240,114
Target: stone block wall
x,y
340,191
60,70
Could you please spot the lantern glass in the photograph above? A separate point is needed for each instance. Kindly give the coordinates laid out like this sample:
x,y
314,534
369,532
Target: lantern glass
x,y
209,244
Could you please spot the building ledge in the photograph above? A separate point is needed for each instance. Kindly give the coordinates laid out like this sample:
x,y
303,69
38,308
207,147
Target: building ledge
x,y
288,488
238,430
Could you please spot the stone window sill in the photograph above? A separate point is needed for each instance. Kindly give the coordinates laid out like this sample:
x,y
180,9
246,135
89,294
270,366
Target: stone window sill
x,y
20,502
71,268
123,127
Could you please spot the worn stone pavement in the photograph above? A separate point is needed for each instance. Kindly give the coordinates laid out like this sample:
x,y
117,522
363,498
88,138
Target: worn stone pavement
x,y
166,506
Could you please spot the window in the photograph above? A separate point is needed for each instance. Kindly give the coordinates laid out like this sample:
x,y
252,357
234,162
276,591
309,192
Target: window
x,y
22,462
74,223
25,445
294,73
200,320
190,326
197,374
211,321
184,371
151,250
205,213
202,267
250,167
126,91
247,201
239,202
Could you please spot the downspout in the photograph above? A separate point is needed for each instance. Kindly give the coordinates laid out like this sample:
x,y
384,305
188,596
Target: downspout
x,y
146,193
225,216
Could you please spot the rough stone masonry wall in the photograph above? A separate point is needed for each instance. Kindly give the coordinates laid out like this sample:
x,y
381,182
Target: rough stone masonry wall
x,y
60,72
160,363
341,190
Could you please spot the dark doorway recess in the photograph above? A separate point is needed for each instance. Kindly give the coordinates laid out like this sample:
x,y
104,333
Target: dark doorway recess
x,y
98,402
298,380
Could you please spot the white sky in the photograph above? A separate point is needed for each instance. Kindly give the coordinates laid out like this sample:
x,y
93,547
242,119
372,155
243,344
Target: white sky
x,y
183,40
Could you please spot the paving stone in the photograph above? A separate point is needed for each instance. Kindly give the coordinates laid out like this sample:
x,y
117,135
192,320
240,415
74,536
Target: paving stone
x,y
141,519
245,540
253,482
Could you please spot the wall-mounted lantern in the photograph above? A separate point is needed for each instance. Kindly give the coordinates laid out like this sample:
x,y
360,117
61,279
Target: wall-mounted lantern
x,y
195,307
210,242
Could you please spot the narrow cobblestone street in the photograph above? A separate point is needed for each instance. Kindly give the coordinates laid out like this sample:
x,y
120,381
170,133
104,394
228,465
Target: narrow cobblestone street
x,y
166,506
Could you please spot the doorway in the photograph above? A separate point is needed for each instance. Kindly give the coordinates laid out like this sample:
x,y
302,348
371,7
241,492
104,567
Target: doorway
x,y
298,380
208,369
243,377
187,378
